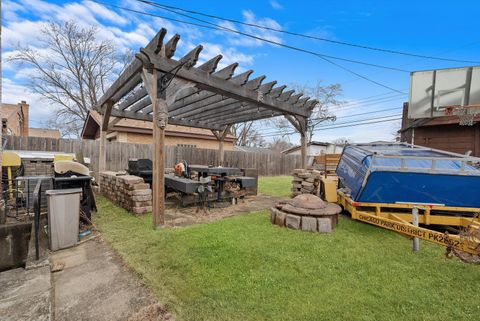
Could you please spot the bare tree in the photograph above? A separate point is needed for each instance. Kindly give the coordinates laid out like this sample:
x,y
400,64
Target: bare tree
x,y
247,135
342,141
279,145
71,70
328,97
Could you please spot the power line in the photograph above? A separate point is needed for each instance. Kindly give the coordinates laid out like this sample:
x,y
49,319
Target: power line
x,y
220,27
217,27
344,124
335,127
361,114
354,105
369,101
390,51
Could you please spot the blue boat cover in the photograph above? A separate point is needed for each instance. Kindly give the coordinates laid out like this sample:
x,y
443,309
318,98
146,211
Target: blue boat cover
x,y
398,172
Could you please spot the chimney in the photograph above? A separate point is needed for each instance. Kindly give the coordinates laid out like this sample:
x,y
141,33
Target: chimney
x,y
24,126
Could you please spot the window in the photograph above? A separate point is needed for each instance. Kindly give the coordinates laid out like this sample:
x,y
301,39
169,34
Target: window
x,y
187,145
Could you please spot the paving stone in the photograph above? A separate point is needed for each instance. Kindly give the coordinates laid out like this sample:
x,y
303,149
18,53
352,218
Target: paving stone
x,y
280,218
324,225
309,223
293,221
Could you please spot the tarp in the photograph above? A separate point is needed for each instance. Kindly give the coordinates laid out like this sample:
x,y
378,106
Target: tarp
x,y
390,173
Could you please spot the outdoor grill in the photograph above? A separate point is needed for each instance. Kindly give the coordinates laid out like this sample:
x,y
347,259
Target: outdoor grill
x,y
141,167
69,174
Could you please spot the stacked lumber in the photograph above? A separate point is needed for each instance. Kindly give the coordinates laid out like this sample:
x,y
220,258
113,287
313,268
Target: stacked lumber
x,y
305,181
127,191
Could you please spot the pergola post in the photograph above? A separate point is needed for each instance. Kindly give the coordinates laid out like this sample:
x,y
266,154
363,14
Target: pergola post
x,y
300,124
303,143
160,115
102,161
220,135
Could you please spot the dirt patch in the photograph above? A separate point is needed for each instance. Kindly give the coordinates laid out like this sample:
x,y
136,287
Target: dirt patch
x,y
176,216
153,312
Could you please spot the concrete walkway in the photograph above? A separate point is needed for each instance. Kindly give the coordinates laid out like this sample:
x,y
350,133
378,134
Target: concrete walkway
x,y
25,295
94,285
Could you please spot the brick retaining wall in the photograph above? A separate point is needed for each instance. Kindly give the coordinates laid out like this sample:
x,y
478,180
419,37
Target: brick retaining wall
x,y
127,191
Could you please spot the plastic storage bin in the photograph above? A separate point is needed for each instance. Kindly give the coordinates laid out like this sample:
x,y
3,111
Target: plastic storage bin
x,y
63,217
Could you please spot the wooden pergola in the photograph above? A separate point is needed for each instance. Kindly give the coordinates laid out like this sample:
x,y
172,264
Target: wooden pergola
x,y
158,88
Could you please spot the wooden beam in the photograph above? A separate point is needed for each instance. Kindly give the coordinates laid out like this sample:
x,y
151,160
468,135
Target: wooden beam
x,y
171,46
158,174
221,139
202,106
131,74
202,112
214,84
300,124
225,110
106,115
303,143
198,95
173,121
241,118
211,64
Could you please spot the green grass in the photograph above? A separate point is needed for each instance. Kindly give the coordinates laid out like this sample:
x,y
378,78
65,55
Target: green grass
x,y
280,186
245,268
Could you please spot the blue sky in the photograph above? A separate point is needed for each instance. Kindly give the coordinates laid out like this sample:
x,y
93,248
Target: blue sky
x,y
423,27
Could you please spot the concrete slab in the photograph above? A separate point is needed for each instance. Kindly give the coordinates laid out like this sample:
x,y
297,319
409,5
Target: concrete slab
x,y
94,285
25,295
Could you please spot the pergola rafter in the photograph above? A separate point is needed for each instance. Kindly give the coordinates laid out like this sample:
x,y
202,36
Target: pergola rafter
x,y
155,87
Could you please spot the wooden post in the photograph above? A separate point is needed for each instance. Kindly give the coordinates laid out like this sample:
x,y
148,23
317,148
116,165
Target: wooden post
x,y
160,115
303,142
416,240
220,135
102,164
102,157
221,152
300,124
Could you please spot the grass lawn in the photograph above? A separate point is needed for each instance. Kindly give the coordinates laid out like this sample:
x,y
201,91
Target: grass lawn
x,y
280,186
244,268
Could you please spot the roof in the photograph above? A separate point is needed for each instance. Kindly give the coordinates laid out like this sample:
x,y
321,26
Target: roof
x,y
314,143
94,119
44,132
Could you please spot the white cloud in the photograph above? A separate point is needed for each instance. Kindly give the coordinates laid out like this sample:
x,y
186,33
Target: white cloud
x,y
21,32
105,13
14,93
276,5
249,17
25,19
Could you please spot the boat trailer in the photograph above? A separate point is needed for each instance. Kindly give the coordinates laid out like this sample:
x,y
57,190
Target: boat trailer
x,y
400,187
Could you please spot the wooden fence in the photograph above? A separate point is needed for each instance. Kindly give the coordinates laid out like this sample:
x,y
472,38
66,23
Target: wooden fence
x,y
268,164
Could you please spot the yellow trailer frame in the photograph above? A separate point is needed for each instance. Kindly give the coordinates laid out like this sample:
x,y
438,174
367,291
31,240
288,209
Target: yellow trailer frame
x,y
398,218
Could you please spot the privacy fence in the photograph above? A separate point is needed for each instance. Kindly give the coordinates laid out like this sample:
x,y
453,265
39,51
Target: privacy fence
x,y
118,154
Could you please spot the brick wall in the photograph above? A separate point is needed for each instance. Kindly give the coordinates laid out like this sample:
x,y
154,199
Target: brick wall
x,y
37,167
137,138
127,191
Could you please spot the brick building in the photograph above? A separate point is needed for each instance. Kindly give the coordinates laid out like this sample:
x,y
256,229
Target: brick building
x,y
140,132
15,119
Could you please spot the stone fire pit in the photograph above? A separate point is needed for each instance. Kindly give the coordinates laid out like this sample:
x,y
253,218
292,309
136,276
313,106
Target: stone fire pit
x,y
306,212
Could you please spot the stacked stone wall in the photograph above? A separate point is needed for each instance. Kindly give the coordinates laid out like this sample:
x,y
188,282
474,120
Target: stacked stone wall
x,y
127,191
